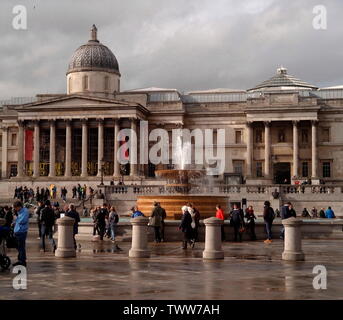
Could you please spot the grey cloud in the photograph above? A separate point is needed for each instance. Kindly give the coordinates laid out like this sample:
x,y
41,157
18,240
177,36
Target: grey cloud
x,y
183,44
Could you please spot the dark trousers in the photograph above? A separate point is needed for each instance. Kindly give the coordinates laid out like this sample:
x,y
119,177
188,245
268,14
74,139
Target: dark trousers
x,y
157,234
251,227
47,231
195,234
21,239
238,235
282,233
269,229
101,230
39,229
162,230
186,239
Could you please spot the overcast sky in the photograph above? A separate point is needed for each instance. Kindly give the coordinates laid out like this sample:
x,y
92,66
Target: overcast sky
x,y
183,44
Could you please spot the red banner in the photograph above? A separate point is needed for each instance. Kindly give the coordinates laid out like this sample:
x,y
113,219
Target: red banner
x,y
28,145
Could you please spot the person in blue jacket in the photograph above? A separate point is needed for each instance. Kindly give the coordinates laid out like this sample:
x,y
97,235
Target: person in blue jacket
x,y
21,226
136,213
329,214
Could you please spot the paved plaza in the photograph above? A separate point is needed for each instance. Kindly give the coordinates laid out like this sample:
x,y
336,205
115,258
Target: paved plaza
x,y
250,270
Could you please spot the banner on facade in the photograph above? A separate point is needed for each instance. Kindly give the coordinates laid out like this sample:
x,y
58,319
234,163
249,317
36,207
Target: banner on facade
x,y
28,145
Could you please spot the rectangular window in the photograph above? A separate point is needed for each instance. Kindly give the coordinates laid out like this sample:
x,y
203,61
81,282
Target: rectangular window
x,y
304,136
238,166
258,136
325,135
13,170
305,169
85,82
14,139
259,169
238,136
326,170
106,84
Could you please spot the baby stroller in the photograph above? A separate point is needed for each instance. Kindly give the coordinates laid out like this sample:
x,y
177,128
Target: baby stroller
x,y
5,261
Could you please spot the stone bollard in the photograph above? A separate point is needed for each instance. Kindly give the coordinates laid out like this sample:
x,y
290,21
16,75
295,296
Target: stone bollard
x,y
213,239
65,243
292,250
139,247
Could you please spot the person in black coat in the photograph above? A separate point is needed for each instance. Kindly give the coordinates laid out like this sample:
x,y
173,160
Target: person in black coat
x,y
72,213
186,227
237,222
47,221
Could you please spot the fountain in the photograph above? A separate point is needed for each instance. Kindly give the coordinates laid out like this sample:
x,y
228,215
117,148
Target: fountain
x,y
182,186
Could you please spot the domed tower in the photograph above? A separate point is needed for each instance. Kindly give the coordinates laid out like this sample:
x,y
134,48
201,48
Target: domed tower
x,y
93,69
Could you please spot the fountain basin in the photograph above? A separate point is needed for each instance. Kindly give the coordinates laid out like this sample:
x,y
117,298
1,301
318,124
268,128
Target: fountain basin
x,y
206,204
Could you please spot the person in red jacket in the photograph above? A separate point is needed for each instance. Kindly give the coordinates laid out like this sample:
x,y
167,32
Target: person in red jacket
x,y
220,215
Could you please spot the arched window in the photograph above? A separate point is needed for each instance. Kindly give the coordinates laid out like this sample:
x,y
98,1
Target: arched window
x,y
85,83
106,83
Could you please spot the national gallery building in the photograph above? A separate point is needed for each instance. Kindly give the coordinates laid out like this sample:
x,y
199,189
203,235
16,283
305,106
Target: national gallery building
x,y
280,131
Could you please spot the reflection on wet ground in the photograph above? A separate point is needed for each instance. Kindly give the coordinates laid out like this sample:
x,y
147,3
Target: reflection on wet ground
x,y
250,270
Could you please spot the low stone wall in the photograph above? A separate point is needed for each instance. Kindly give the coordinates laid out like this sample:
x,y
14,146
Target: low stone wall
x,y
311,229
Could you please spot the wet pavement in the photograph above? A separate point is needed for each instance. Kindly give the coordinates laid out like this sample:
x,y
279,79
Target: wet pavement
x,y
250,270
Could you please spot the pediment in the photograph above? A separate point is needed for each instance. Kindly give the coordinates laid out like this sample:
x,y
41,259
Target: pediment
x,y
75,102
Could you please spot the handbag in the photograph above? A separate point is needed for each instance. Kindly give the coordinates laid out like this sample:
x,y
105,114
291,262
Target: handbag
x,y
242,230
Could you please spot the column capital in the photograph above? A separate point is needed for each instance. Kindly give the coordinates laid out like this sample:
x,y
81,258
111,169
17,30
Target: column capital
x,y
100,120
21,123
84,120
295,123
267,123
314,122
36,122
52,122
249,124
68,122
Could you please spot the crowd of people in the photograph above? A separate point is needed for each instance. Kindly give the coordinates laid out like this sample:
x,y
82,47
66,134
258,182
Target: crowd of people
x,y
28,195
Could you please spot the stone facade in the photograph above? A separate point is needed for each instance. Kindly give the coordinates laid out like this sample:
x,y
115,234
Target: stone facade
x,y
282,131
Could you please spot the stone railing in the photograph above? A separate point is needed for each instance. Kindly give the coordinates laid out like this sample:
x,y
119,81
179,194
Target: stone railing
x,y
244,190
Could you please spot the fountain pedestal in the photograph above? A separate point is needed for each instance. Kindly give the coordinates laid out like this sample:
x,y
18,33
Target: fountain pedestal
x,y
213,242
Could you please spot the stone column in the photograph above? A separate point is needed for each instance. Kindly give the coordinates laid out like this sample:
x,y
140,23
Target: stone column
x,y
314,150
293,250
295,149
133,149
52,166
67,171
100,144
267,149
116,172
139,247
84,159
21,138
36,147
213,241
4,153
65,243
249,148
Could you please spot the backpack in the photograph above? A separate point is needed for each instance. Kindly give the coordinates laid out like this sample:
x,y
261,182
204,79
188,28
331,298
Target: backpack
x,y
271,214
116,218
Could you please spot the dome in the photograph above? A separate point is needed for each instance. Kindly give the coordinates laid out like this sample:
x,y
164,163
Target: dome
x,y
93,56
283,81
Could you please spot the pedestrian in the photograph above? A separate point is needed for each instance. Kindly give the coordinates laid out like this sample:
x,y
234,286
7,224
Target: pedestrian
x,y
329,214
322,213
38,213
268,217
155,221
220,215
136,213
305,213
250,216
186,227
101,221
164,216
20,231
287,212
113,220
72,213
237,222
64,192
74,190
195,214
314,212
47,221
93,214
